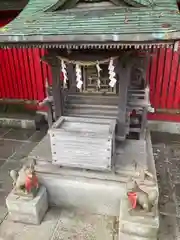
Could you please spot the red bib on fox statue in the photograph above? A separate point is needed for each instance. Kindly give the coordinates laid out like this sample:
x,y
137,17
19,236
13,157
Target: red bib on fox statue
x,y
132,197
31,183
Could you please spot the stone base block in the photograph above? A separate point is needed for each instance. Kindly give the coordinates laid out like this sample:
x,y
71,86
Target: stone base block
x,y
30,211
137,225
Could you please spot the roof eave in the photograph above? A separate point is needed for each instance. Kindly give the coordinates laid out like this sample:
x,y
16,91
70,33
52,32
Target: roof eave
x,y
133,38
92,41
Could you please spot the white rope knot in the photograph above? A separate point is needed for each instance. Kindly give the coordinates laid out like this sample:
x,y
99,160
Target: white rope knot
x,y
112,73
98,75
78,77
63,69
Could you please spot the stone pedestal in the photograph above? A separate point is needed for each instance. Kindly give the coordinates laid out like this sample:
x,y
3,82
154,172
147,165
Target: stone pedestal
x,y
137,225
22,209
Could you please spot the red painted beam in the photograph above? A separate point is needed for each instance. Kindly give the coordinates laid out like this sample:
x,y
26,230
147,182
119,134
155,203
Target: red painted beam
x,y
164,117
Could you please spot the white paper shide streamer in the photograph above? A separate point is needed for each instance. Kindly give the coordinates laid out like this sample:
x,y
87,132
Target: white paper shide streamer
x,y
98,74
112,74
79,81
149,108
63,69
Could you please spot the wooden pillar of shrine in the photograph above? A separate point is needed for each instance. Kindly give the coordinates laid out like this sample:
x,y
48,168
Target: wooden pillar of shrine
x,y
71,78
57,87
124,74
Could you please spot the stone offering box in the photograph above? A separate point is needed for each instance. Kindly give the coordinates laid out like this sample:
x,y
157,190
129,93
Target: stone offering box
x,y
30,211
83,142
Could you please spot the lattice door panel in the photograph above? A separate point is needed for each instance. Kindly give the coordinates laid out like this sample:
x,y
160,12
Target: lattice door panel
x,y
90,80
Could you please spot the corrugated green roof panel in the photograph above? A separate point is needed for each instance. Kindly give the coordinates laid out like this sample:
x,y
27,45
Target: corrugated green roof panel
x,y
34,21
98,21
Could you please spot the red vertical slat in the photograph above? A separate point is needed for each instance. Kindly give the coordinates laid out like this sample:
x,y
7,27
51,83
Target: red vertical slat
x,y
13,73
18,73
166,77
159,77
28,75
1,76
32,72
152,78
2,89
172,83
5,76
9,74
22,71
177,90
38,74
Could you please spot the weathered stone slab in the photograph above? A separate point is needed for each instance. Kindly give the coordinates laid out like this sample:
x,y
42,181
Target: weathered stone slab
x,y
62,225
76,225
10,230
130,154
89,195
22,209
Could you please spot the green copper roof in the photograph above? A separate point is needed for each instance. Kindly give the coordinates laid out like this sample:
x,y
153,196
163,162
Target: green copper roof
x,y
37,22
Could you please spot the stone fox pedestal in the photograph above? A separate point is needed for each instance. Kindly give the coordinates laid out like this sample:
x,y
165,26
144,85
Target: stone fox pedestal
x,y
31,211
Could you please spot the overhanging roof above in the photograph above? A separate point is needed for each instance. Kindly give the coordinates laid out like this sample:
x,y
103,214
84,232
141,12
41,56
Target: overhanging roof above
x,y
12,5
115,24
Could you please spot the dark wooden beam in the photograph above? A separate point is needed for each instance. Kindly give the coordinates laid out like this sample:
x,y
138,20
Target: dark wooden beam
x,y
57,88
71,78
124,73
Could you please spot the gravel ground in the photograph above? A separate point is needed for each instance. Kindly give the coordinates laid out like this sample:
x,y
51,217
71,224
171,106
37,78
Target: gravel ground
x,y
166,149
16,144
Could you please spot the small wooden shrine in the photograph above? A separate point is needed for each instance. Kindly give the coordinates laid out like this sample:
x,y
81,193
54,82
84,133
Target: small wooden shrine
x,y
98,52
100,49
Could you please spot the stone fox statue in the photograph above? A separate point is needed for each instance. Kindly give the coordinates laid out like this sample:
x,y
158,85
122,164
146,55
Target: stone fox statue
x,y
25,181
146,200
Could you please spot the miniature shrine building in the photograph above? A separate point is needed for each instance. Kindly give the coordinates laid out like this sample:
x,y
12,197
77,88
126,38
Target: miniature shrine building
x,y
95,45
98,52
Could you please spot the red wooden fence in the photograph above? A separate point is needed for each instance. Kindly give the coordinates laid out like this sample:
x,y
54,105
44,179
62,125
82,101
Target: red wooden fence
x,y
164,78
23,75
